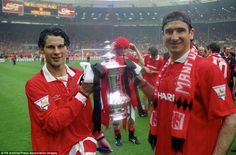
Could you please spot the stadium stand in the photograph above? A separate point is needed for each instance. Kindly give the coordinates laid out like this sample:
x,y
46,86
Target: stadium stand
x,y
91,26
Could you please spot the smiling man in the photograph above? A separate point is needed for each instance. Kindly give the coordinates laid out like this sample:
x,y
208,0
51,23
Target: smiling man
x,y
59,107
199,117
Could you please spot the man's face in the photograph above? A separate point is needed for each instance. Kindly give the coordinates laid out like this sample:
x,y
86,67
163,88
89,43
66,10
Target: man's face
x,y
55,51
119,51
201,51
153,55
177,38
227,50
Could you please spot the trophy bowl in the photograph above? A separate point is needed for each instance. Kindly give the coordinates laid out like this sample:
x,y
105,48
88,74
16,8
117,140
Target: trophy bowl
x,y
118,100
118,105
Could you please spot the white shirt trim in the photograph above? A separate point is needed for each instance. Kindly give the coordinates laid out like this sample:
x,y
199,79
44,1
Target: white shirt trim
x,y
183,57
81,98
49,77
81,148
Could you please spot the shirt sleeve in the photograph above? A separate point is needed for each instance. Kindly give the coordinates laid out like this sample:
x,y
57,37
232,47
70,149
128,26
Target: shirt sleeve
x,y
131,57
215,93
46,113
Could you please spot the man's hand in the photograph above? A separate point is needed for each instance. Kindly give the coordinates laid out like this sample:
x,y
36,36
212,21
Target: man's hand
x,y
88,72
140,57
152,139
132,47
147,70
104,147
86,88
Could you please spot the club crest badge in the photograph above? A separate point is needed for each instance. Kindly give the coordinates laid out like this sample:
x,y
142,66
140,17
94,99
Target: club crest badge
x,y
43,103
220,91
178,120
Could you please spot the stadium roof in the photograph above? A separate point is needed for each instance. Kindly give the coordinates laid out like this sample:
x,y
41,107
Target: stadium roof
x,y
128,3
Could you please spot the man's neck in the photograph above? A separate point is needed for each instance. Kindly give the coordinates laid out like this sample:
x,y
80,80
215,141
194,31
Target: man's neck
x,y
57,71
175,56
154,57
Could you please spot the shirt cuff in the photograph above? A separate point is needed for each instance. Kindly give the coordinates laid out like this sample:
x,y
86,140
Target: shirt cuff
x,y
99,136
81,97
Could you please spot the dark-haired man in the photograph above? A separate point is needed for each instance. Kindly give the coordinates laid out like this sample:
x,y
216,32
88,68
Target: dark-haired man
x,y
213,51
59,107
230,58
196,113
152,65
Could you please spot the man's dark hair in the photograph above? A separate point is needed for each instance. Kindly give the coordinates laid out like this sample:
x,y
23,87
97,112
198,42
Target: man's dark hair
x,y
52,31
214,47
153,51
177,15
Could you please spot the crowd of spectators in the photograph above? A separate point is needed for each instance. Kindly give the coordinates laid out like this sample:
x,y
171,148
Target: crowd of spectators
x,y
199,12
21,39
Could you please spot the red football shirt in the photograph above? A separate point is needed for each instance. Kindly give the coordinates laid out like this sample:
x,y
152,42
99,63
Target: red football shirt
x,y
221,63
58,119
154,65
212,101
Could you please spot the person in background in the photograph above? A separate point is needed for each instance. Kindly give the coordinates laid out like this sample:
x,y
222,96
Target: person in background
x,y
58,100
192,96
68,58
151,62
230,58
14,59
202,51
214,56
152,65
141,107
42,59
120,48
88,58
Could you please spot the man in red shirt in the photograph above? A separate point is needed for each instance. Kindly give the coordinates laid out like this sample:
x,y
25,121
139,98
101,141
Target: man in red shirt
x,y
214,56
119,47
230,58
59,107
196,113
152,65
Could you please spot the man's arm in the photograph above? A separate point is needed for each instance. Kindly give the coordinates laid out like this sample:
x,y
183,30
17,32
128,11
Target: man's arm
x,y
226,135
146,87
140,57
44,110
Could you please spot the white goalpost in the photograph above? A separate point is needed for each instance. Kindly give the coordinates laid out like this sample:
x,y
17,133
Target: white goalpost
x,y
92,53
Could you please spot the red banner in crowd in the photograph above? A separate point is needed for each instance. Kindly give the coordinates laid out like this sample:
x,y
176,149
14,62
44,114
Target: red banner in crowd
x,y
66,11
12,6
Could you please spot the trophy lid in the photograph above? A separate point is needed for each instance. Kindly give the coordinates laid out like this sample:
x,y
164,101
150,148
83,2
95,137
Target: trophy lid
x,y
108,55
109,61
112,64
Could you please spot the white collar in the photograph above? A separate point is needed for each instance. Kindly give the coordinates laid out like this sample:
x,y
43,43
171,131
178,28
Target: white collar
x,y
183,57
49,77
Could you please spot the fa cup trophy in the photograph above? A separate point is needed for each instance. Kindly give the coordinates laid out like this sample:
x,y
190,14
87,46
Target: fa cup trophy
x,y
117,98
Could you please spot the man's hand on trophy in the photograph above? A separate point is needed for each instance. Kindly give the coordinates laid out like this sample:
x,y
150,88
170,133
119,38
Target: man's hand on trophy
x,y
98,70
88,72
132,66
86,88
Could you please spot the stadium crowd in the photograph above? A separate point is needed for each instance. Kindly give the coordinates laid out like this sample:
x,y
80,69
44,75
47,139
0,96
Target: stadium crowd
x,y
23,42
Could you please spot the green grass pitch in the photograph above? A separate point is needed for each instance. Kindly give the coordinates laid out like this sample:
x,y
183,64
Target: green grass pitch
x,y
14,117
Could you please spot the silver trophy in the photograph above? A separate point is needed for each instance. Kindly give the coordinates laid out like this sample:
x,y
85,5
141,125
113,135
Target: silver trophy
x,y
117,99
